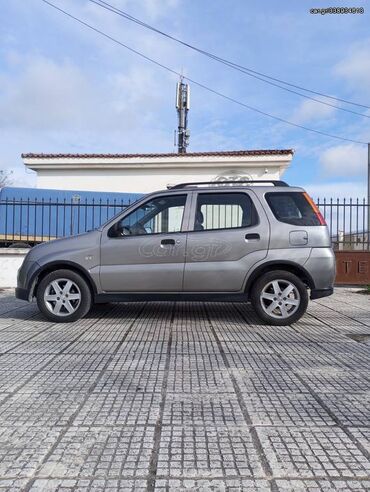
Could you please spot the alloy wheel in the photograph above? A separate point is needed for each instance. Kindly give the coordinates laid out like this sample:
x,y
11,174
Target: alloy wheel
x,y
62,297
280,298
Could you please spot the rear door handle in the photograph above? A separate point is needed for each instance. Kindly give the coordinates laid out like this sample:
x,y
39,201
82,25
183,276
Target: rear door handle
x,y
253,236
167,241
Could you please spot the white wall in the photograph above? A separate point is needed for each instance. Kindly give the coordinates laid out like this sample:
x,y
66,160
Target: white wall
x,y
140,181
10,260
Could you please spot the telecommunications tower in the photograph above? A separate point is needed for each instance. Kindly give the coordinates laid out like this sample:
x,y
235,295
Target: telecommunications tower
x,y
182,107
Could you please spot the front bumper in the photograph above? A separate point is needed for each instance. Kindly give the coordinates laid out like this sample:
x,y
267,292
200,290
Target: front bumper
x,y
317,293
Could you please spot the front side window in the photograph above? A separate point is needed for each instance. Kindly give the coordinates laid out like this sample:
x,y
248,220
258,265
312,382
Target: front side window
x,y
160,215
224,211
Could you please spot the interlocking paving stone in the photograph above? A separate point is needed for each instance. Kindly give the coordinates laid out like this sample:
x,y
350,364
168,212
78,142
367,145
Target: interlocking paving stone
x,y
40,347
289,409
199,381
12,380
137,361
193,452
264,381
257,362
353,354
237,334
323,485
332,380
24,362
7,346
282,335
56,335
308,356
134,382
87,485
204,410
101,452
47,381
78,362
140,381
23,448
92,348
219,485
13,484
39,409
15,336
128,408
362,434
197,362
185,333
185,347
244,348
304,452
319,333
349,409
139,347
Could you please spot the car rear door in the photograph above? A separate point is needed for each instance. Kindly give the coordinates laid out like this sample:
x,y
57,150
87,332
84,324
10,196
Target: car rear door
x,y
228,233
144,251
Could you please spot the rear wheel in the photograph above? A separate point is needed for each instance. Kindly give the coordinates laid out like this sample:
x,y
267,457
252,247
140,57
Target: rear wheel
x,y
63,296
279,298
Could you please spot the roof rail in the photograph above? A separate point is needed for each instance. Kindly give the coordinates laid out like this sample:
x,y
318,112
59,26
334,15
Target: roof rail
x,y
223,183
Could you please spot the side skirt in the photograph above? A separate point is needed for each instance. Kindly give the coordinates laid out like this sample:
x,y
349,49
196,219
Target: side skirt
x,y
142,297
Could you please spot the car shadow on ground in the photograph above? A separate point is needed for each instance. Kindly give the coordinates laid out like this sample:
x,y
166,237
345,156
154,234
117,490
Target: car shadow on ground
x,y
211,311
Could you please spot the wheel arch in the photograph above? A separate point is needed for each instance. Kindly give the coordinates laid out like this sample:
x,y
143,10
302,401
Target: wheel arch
x,y
59,265
288,266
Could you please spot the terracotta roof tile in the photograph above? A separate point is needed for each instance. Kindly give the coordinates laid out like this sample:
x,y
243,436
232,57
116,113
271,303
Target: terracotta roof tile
x,y
173,154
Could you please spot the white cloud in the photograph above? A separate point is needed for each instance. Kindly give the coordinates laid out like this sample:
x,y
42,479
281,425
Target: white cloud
x,y
349,189
310,111
344,160
355,67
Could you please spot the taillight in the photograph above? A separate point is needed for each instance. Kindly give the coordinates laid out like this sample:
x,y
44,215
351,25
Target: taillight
x,y
315,209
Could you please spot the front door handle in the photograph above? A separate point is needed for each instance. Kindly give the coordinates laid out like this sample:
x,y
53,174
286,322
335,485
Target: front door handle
x,y
253,236
168,241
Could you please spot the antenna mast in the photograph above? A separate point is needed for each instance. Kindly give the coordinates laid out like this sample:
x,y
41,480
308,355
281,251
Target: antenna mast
x,y
182,106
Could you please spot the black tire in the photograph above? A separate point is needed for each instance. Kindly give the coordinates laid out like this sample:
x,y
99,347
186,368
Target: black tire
x,y
284,276
81,306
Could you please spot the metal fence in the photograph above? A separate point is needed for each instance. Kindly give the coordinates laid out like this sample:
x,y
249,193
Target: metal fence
x,y
348,223
35,221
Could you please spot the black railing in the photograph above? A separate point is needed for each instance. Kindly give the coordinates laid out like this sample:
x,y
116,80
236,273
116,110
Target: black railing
x,y
348,222
37,221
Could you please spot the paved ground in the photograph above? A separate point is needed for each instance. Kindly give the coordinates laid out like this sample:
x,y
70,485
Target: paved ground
x,y
174,396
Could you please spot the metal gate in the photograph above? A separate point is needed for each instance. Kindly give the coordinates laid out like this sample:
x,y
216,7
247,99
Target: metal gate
x,y
348,223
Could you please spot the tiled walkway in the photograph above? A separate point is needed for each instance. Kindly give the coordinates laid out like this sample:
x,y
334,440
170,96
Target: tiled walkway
x,y
186,396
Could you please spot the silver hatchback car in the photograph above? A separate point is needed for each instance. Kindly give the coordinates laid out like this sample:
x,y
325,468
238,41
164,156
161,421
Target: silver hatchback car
x,y
264,242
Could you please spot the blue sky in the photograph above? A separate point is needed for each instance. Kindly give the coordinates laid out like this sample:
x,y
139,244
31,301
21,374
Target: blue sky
x,y
64,88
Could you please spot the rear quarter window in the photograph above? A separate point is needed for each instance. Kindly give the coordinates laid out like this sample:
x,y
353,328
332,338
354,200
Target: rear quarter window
x,y
292,208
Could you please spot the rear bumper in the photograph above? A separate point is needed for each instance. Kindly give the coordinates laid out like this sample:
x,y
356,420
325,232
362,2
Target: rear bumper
x,y
22,294
317,293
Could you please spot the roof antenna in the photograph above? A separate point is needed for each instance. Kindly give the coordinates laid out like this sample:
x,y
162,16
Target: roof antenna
x,y
182,107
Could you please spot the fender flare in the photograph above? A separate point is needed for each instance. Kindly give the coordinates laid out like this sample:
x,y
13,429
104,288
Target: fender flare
x,y
53,265
275,265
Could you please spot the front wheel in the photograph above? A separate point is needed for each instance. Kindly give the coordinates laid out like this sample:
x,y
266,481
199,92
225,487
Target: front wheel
x,y
279,298
63,296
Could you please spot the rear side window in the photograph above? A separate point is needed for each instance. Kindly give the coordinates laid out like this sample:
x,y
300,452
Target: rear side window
x,y
224,211
293,208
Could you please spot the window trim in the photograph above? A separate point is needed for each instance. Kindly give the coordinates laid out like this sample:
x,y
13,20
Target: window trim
x,y
218,192
187,199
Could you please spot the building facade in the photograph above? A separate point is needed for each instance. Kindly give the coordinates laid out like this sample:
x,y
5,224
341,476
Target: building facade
x,y
143,173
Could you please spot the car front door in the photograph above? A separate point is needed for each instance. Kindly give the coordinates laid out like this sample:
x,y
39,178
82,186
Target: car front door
x,y
144,250
228,233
